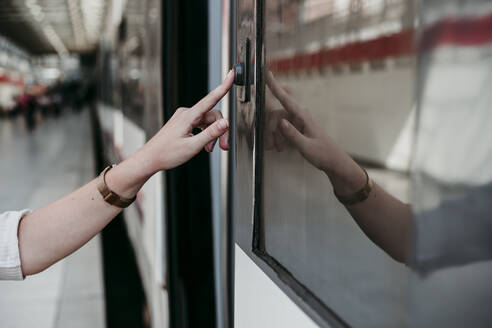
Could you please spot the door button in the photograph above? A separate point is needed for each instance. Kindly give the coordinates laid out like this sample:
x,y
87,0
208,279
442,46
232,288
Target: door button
x,y
239,74
243,77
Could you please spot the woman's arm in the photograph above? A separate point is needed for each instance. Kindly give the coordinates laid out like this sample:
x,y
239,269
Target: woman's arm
x,y
56,230
383,218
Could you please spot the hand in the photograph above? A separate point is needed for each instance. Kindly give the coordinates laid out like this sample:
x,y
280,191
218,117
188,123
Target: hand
x,y
175,144
273,137
297,126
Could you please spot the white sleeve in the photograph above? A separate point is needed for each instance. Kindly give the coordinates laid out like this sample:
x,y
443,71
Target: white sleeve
x,y
456,233
10,266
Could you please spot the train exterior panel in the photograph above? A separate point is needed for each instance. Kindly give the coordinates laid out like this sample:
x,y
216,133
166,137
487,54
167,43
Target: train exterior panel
x,y
391,83
128,112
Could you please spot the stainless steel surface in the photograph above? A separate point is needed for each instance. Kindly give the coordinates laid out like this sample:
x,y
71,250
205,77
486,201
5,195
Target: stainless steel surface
x,y
245,114
453,181
218,18
363,103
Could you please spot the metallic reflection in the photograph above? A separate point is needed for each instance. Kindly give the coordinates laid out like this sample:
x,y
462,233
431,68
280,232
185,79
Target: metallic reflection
x,y
453,179
356,79
343,77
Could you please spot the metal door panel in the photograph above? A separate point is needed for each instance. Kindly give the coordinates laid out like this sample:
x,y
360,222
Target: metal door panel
x,y
245,175
244,127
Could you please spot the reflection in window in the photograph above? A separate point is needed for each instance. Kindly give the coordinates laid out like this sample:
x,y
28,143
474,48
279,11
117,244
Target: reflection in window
x,y
349,66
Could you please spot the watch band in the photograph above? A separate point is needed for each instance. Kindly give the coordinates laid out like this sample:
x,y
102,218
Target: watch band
x,y
358,196
110,196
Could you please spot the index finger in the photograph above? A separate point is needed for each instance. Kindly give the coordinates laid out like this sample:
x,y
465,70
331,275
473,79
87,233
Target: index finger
x,y
285,99
209,101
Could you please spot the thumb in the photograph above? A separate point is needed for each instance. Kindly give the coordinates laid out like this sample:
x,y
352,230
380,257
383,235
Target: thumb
x,y
211,133
293,135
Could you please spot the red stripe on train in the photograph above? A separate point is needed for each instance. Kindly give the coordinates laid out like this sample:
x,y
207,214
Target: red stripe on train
x,y
400,44
464,32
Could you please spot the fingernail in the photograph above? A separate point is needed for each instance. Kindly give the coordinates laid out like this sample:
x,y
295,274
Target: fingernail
x,y
210,146
230,73
223,124
285,124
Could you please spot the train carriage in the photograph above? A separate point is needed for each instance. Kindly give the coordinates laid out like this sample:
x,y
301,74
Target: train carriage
x,y
255,237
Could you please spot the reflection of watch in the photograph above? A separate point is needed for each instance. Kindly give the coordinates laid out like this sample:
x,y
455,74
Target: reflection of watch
x,y
110,196
358,196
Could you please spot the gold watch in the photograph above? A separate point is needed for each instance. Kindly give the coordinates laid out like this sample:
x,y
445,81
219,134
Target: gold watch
x,y
358,196
110,196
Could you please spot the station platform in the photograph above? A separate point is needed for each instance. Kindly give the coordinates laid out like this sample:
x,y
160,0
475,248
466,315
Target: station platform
x,y
38,167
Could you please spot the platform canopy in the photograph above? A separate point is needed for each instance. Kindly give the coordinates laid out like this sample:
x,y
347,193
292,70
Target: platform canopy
x,y
53,26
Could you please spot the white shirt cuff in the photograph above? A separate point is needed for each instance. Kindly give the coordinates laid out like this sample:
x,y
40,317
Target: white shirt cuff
x,y
10,264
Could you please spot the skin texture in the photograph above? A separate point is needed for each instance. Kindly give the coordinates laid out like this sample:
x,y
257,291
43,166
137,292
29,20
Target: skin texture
x,y
383,218
58,229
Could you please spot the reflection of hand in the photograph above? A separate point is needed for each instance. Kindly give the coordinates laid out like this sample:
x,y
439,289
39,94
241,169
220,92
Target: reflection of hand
x,y
298,126
273,136
384,219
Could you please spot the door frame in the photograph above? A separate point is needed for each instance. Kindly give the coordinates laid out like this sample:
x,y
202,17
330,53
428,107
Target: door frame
x,y
190,269
247,236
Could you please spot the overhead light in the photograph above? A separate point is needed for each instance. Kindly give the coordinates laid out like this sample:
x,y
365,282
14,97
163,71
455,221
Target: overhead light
x,y
92,14
35,10
77,25
49,32
39,17
30,3
55,40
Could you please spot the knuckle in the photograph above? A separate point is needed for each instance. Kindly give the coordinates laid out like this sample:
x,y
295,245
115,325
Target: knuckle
x,y
211,132
216,113
214,131
191,143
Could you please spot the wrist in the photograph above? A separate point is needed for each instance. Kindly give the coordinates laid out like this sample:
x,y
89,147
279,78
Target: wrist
x,y
128,177
346,176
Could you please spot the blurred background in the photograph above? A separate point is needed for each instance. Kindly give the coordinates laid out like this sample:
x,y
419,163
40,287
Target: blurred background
x,y
253,237
47,53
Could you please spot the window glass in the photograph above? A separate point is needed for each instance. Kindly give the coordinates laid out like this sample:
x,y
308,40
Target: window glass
x,y
348,68
453,185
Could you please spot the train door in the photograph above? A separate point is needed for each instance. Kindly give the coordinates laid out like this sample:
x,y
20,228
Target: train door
x,y
300,259
258,299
